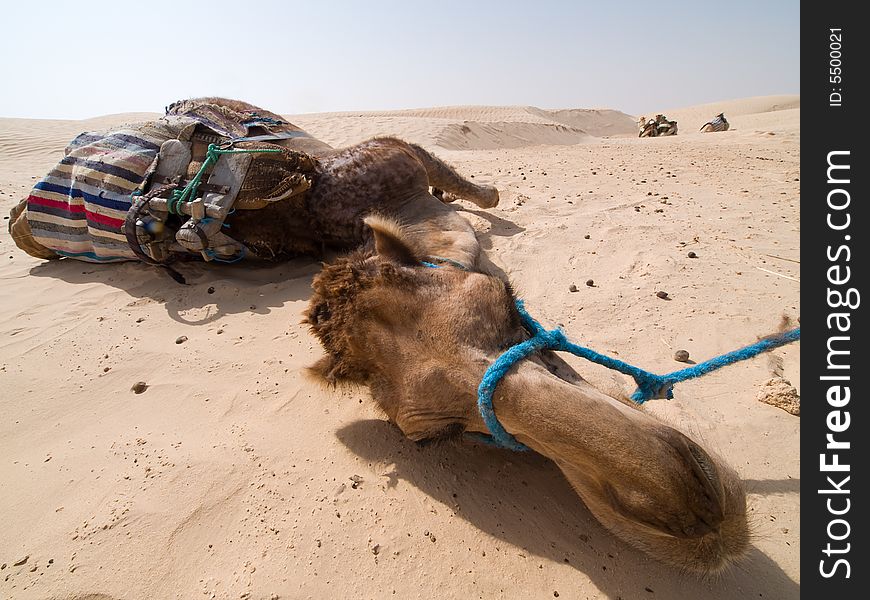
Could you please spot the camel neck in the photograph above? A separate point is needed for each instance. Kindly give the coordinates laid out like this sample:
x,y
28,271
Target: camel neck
x,y
552,416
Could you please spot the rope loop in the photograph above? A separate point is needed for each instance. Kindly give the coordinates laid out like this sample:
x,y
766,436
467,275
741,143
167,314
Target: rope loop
x,y
649,385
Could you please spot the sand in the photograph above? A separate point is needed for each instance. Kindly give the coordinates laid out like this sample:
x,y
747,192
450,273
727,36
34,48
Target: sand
x,y
234,476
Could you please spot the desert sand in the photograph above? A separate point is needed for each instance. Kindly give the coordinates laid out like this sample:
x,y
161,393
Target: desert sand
x,y
234,475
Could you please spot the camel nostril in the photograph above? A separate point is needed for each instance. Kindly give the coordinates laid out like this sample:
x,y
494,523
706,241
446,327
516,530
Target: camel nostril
x,y
708,499
706,465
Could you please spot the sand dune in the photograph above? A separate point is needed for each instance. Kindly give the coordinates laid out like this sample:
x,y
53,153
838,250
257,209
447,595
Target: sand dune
x,y
472,127
235,476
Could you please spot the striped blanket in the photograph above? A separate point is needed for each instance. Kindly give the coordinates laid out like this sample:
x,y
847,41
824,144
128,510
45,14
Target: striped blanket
x,y
78,209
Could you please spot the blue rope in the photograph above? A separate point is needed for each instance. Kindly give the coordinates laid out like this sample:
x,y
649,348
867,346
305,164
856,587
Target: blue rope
x,y
649,385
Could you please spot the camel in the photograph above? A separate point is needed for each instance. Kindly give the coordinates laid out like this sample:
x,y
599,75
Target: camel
x,y
303,197
717,123
421,338
664,126
656,127
646,127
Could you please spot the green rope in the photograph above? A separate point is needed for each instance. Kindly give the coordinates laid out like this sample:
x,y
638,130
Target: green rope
x,y
212,155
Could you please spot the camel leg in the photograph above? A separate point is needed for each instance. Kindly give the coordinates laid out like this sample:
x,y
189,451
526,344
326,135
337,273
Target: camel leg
x,y
444,177
438,231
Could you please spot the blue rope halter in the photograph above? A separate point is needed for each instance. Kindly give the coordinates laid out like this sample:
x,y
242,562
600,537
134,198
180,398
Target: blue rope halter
x,y
649,385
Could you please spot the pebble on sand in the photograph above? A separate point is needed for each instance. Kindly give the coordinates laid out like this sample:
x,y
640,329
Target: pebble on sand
x,y
692,255
572,288
139,387
181,339
590,283
681,356
662,295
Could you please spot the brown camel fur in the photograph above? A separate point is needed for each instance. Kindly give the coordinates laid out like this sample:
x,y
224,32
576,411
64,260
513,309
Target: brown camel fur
x,y
421,339
385,176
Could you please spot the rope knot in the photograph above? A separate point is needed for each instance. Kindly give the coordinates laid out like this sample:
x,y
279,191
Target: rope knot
x,y
652,387
553,339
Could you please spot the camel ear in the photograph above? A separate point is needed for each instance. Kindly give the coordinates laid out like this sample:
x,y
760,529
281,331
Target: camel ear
x,y
390,241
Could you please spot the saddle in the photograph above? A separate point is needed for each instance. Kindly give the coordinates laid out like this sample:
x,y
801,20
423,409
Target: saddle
x,y
231,161
162,190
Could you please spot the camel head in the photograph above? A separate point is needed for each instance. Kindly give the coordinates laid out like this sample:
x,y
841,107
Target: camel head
x,y
421,339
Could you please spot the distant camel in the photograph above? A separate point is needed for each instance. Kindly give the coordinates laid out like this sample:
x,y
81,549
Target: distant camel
x,y
646,127
660,126
718,123
664,126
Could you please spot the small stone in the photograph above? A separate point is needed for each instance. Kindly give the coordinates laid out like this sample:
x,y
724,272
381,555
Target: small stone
x,y
572,288
20,561
181,339
662,295
555,594
210,290
590,283
3,566
357,480
681,356
106,369
376,549
587,236
140,319
692,255
220,331
139,387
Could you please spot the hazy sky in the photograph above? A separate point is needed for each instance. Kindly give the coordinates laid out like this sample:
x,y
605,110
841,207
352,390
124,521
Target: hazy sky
x,y
67,59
